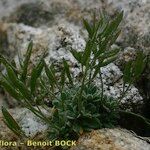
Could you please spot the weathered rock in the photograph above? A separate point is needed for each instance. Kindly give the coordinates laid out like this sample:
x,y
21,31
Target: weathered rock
x,y
136,15
56,42
7,6
3,40
46,13
54,27
135,26
29,122
111,139
33,127
113,87
32,14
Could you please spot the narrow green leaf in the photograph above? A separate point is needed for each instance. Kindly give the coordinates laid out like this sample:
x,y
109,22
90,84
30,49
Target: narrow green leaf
x,y
77,55
66,67
103,47
36,72
113,25
52,68
23,89
62,78
139,64
4,61
50,74
26,62
94,48
18,84
97,69
96,28
87,52
108,61
93,26
104,26
11,123
12,129
108,54
13,63
87,27
113,52
114,37
20,59
11,74
127,73
10,89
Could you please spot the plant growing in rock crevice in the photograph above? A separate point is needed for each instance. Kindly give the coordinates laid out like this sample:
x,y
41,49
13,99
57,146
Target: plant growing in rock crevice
x,y
77,106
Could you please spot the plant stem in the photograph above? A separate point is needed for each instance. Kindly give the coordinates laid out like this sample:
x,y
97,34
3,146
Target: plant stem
x,y
35,111
102,85
90,76
42,113
91,70
124,92
82,85
45,87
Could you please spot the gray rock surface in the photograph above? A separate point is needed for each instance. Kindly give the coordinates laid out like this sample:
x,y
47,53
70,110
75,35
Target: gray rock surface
x,y
136,22
136,15
111,139
135,27
55,27
29,123
8,6
57,41
104,139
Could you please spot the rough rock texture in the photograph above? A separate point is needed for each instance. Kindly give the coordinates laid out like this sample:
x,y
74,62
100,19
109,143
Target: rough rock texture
x,y
33,127
44,12
104,139
113,85
30,124
7,6
136,15
56,41
136,21
111,139
55,27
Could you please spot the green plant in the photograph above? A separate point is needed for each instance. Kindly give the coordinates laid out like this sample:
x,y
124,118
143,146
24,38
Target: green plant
x,y
68,122
77,106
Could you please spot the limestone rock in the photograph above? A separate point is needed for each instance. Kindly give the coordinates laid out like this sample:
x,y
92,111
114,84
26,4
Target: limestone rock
x,y
29,123
57,41
7,6
111,139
